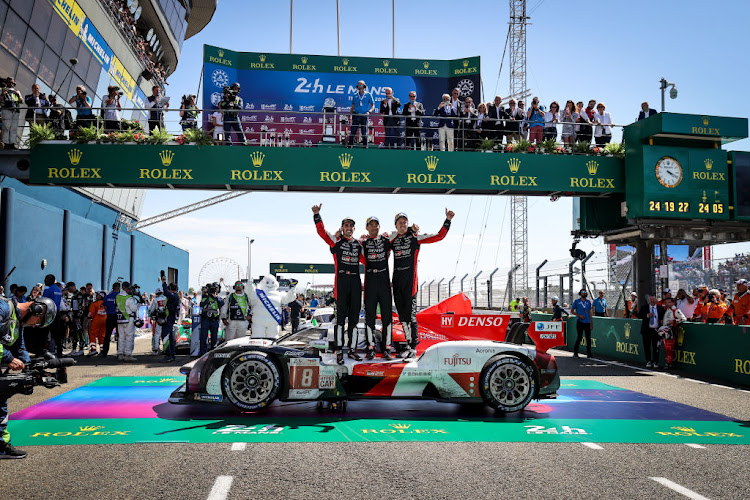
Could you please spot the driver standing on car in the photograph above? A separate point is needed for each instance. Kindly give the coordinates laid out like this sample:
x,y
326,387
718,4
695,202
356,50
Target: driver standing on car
x,y
236,313
377,248
347,287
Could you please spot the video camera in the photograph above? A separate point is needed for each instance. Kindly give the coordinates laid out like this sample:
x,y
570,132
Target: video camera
x,y
186,98
230,94
35,373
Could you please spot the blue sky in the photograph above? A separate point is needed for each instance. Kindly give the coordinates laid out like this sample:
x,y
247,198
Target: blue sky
x,y
614,52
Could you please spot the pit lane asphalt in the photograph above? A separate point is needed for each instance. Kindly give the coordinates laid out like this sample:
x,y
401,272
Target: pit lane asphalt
x,y
381,470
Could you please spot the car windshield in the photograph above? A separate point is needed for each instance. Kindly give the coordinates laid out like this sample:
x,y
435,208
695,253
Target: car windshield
x,y
302,337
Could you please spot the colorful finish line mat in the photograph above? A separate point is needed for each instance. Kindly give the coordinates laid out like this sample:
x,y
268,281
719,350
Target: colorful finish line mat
x,y
135,410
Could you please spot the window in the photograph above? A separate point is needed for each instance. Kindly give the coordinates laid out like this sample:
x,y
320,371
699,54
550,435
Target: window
x,y
70,49
8,63
49,66
3,11
13,34
32,51
171,275
63,71
56,34
40,17
23,8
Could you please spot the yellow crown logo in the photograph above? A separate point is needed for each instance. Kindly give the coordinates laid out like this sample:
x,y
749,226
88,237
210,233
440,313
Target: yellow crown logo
x,y
166,157
705,120
683,429
627,330
345,160
345,61
709,163
514,164
312,266
465,62
400,426
91,428
221,53
431,162
386,62
262,58
680,336
257,158
304,60
592,167
75,156
426,65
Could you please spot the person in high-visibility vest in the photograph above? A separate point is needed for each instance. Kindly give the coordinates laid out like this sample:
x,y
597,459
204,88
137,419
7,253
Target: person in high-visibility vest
x,y
699,313
631,306
127,310
715,307
741,303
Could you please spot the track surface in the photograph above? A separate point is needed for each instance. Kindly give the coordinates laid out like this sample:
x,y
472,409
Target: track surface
x,y
623,462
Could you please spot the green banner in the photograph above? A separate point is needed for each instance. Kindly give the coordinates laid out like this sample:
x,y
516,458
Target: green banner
x,y
323,169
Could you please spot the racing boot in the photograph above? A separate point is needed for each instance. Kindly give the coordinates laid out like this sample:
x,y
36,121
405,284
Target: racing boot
x,y
409,353
387,352
353,355
370,352
340,357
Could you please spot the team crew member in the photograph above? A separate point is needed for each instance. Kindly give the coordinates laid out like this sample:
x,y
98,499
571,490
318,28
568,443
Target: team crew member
x,y
157,311
173,308
405,246
347,287
296,307
210,304
377,248
557,311
582,309
236,313
741,304
111,305
701,306
631,306
97,313
715,308
600,305
127,309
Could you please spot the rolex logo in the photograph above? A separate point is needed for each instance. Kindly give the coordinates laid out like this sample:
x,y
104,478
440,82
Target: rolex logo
x,y
345,61
90,428
426,65
257,158
262,58
304,60
167,379
514,164
386,62
166,157
345,160
312,266
221,53
709,163
680,336
592,167
431,162
465,62
627,330
705,120
75,156
400,426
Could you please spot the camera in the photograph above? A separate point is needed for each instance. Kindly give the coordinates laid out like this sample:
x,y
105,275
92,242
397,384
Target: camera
x,y
35,373
43,96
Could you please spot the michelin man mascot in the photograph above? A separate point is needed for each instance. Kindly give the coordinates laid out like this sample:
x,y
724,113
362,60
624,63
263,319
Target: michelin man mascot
x,y
266,302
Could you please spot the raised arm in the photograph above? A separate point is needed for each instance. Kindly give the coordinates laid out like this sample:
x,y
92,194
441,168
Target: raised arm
x,y
327,237
432,238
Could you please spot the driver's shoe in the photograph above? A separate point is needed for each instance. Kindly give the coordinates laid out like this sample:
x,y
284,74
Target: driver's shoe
x,y
340,357
387,352
370,353
409,353
353,355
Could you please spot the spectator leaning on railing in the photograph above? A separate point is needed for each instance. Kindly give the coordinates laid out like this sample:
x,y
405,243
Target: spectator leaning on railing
x,y
37,104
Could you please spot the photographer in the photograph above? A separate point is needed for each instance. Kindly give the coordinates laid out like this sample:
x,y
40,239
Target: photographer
x,y
38,313
173,306
535,117
37,103
230,106
188,112
11,102
59,117
210,305
156,103
112,106
82,102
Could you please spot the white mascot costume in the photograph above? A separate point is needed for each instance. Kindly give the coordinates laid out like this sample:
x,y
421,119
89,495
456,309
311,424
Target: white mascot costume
x,y
266,302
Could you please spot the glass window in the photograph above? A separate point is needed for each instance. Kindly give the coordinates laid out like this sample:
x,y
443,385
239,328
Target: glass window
x,y
56,34
8,63
23,8
3,11
70,49
63,71
84,59
40,17
49,66
25,78
32,51
13,34
93,73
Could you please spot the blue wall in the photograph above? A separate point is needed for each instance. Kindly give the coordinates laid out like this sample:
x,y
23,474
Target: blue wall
x,y
74,235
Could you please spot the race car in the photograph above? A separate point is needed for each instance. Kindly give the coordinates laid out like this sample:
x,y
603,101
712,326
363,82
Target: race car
x,y
252,373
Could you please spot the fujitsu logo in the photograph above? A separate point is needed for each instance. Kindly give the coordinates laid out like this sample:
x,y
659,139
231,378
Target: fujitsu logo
x,y
456,360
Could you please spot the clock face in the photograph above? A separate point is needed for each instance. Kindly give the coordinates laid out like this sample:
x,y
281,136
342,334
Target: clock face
x,y
668,172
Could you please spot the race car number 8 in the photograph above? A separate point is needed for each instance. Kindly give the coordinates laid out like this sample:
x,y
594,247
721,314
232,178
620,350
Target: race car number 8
x,y
303,377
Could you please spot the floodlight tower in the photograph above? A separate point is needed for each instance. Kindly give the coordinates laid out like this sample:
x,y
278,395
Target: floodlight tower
x,y
519,234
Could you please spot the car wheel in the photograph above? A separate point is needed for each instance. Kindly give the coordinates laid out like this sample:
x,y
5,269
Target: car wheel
x,y
251,381
507,383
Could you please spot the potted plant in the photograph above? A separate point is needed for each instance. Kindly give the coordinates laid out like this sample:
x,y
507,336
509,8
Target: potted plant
x,y
582,148
615,149
88,134
159,136
40,132
198,137
487,145
549,146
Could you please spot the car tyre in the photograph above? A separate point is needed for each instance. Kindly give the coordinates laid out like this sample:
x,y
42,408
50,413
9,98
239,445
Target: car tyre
x,y
251,381
507,383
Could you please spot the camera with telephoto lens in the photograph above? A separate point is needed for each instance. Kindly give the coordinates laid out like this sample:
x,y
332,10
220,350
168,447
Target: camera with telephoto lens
x,y
35,373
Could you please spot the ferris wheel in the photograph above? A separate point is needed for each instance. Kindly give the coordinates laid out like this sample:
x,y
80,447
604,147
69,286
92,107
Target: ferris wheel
x,y
221,270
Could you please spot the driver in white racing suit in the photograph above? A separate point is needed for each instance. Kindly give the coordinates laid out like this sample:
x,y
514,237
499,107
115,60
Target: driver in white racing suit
x,y
127,312
157,311
236,313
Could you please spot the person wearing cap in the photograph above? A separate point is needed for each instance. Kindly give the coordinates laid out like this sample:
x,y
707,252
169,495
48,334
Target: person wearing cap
x,y
362,105
600,305
651,315
557,310
110,303
236,313
377,248
741,303
127,310
347,286
167,330
631,306
582,309
97,312
406,246
157,311
685,303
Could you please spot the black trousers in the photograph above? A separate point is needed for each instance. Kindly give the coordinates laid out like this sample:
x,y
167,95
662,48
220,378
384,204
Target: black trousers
x,y
378,293
582,328
600,314
110,325
295,324
406,306
233,125
411,137
348,305
651,344
584,134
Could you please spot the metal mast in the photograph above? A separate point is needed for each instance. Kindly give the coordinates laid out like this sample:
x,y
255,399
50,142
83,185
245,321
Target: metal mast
x,y
519,234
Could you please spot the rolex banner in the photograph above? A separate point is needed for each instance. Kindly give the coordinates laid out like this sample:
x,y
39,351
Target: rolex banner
x,y
285,91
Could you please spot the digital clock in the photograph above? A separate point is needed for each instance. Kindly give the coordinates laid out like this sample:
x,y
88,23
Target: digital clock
x,y
681,207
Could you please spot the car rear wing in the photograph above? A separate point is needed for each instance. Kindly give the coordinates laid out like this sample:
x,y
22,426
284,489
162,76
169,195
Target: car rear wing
x,y
547,334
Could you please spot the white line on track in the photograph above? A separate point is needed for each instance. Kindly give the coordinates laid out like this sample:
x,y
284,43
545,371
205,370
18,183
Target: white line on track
x,y
221,488
593,446
679,489
696,446
239,446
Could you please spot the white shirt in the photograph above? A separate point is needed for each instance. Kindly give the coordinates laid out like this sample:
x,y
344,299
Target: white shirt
x,y
605,120
686,307
671,315
388,102
219,126
413,110
653,321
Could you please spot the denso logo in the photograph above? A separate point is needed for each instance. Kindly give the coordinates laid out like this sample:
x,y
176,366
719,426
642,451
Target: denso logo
x,y
446,320
480,320
456,360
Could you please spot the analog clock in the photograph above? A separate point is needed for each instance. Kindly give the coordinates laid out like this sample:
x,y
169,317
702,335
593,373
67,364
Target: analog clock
x,y
668,172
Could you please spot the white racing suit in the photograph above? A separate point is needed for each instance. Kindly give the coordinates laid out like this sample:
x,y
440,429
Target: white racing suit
x,y
158,305
235,314
127,312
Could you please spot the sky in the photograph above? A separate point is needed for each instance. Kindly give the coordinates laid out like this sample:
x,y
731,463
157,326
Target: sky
x,y
614,52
